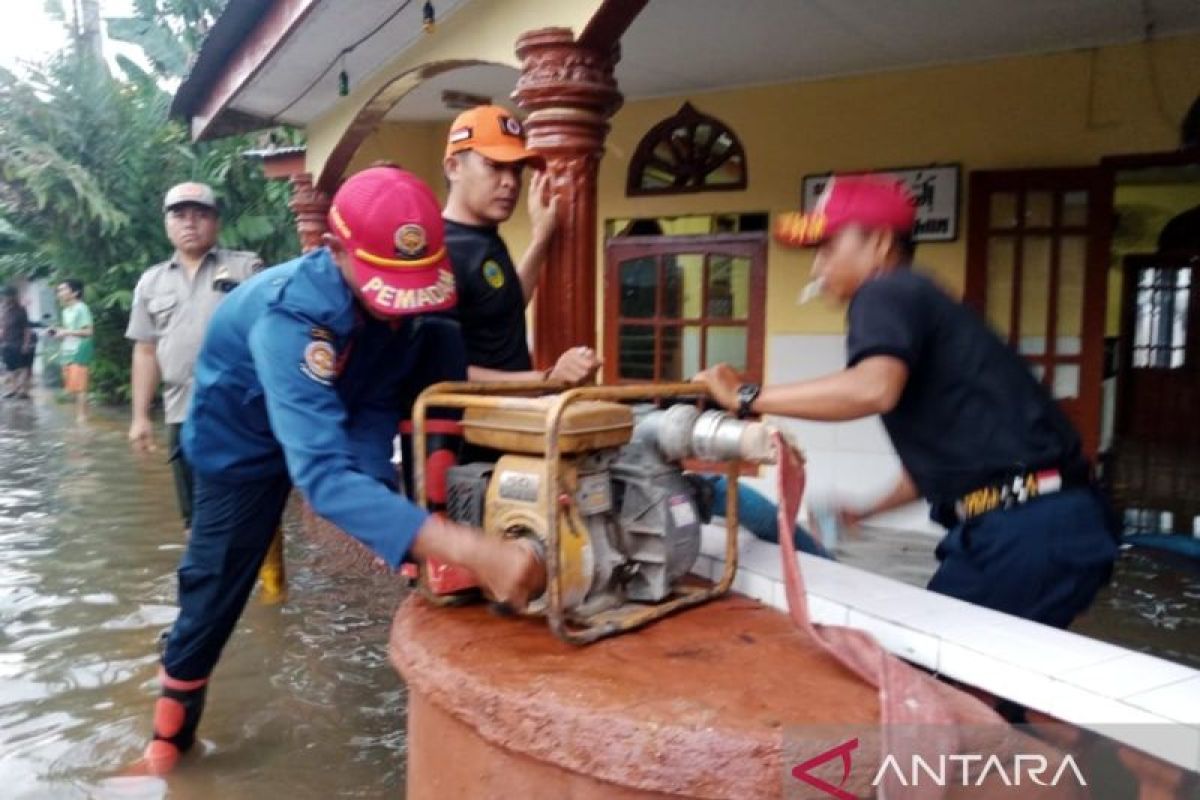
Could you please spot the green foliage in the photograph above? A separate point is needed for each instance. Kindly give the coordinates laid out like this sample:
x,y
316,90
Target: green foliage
x,y
85,158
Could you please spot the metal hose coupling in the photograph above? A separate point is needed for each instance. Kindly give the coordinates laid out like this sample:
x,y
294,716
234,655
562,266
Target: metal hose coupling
x,y
683,431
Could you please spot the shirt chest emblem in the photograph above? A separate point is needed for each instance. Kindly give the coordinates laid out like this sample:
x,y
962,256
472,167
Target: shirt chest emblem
x,y
493,274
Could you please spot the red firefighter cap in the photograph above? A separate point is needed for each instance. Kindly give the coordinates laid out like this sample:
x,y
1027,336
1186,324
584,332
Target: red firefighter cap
x,y
871,201
391,225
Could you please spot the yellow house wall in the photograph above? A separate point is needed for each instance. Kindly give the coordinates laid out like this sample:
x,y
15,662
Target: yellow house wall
x,y
1064,109
1005,114
480,31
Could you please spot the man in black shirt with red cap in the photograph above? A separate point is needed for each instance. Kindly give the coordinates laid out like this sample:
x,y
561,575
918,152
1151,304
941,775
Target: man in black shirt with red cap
x,y
978,436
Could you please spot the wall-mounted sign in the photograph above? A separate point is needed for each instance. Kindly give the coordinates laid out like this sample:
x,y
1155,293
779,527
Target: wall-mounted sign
x,y
934,188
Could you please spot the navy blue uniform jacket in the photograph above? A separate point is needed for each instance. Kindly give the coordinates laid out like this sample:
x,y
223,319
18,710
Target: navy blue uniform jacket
x,y
294,377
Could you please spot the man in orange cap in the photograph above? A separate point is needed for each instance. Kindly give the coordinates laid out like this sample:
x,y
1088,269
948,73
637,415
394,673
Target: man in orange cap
x,y
303,378
977,434
485,158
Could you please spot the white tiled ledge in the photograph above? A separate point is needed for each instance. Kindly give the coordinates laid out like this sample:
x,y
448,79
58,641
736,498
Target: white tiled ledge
x,y
1121,694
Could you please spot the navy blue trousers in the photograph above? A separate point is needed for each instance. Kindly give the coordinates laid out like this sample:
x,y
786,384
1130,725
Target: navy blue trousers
x,y
1044,560
232,528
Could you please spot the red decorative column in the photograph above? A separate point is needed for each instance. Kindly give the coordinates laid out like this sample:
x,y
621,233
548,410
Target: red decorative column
x,y
570,92
310,206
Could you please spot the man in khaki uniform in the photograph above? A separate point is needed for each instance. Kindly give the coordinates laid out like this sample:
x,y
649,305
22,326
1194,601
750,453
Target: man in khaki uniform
x,y
172,305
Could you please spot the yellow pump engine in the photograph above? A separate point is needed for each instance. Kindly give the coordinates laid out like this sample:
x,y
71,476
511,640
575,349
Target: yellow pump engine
x,y
599,486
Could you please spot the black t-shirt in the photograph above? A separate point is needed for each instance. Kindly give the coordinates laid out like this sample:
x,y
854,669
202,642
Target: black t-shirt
x,y
491,304
972,412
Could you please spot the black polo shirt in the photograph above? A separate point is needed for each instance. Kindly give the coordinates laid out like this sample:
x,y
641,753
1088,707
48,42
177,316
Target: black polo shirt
x,y
491,304
972,412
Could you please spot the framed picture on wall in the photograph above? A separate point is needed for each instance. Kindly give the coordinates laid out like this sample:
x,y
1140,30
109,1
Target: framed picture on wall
x,y
934,188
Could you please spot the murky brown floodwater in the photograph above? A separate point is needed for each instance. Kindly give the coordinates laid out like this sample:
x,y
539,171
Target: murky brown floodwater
x,y
304,703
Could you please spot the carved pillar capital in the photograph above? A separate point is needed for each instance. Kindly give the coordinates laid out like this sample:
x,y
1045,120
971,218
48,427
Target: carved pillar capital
x,y
570,93
310,207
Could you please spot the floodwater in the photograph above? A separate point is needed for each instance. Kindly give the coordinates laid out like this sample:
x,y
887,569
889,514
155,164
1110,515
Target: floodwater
x,y
303,704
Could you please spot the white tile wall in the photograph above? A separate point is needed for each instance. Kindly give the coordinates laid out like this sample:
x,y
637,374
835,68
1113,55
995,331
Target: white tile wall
x,y
847,461
1140,700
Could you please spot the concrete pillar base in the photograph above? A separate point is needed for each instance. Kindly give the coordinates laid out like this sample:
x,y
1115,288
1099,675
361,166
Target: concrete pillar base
x,y
697,705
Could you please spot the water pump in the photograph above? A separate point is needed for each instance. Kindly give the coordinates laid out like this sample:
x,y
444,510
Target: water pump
x,y
600,487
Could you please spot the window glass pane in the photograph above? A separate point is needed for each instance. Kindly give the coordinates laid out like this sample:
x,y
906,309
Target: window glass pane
x,y
725,343
1039,209
1075,208
732,171
636,357
639,284
1035,288
1000,283
684,285
1066,380
1072,254
680,352
1160,326
728,287
1003,212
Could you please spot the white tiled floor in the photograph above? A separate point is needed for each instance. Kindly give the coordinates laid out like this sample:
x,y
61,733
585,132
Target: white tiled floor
x,y
1095,685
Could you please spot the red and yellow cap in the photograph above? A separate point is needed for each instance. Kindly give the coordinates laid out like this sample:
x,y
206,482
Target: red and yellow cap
x,y
391,225
868,200
494,133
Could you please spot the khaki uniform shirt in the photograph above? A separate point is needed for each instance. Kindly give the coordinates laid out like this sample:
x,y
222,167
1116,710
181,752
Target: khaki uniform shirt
x,y
173,311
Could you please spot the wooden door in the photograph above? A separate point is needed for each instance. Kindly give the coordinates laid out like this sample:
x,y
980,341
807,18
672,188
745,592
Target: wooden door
x,y
1037,259
1156,449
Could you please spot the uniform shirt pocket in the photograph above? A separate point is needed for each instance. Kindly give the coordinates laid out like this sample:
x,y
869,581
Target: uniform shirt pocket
x,y
162,309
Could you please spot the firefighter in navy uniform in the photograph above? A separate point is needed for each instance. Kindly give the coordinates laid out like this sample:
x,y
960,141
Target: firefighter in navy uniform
x,y
303,378
978,436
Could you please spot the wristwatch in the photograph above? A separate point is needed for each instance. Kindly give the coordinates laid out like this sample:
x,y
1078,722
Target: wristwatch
x,y
747,393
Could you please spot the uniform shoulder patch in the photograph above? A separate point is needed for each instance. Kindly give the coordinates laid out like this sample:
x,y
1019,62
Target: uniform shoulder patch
x,y
493,274
320,361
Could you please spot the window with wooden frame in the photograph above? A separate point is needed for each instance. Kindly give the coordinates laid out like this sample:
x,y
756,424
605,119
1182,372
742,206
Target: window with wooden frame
x,y
688,152
675,305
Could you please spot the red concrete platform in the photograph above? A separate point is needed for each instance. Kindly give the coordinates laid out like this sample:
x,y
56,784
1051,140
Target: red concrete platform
x,y
693,706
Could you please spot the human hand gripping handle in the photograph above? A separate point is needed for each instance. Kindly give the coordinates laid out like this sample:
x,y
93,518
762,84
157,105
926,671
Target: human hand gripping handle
x,y
510,571
576,366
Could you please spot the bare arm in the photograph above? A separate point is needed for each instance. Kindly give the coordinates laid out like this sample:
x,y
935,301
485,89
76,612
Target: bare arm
x,y
574,367
543,215
872,386
483,374
145,378
905,491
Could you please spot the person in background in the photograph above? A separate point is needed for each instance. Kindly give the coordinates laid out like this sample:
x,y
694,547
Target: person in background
x,y
485,158
16,344
78,347
172,305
